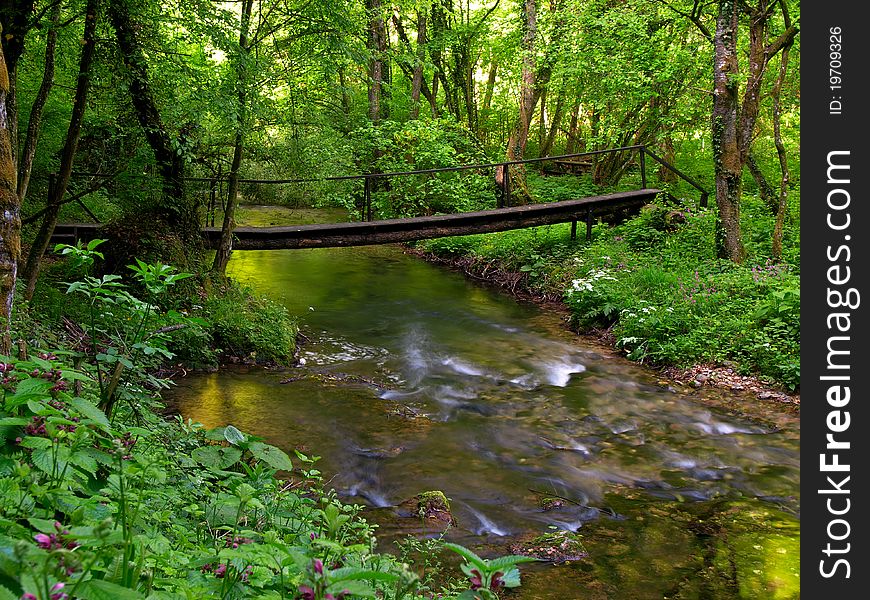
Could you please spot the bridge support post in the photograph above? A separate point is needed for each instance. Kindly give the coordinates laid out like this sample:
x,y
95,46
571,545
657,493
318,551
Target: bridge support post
x,y
506,182
643,167
367,199
574,229
589,225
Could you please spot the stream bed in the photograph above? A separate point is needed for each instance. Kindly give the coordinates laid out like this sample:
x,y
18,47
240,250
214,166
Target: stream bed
x,y
415,379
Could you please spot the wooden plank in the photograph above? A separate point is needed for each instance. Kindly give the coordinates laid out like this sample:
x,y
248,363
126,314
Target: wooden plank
x,y
388,231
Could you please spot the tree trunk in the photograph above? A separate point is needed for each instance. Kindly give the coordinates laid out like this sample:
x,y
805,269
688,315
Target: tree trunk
x,y
547,146
519,137
542,120
417,79
490,86
782,209
225,249
377,45
765,190
669,154
58,190
726,147
10,220
25,162
180,217
572,145
16,19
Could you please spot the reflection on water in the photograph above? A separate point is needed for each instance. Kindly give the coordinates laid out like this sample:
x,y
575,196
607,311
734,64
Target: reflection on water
x,y
416,380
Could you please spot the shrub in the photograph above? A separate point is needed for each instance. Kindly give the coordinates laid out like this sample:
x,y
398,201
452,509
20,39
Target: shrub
x,y
246,325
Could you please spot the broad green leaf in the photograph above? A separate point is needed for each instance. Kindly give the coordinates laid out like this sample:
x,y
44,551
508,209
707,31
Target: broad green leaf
x,y
356,588
98,589
505,562
51,461
5,594
234,436
272,456
467,555
35,442
89,411
351,573
216,457
14,421
511,579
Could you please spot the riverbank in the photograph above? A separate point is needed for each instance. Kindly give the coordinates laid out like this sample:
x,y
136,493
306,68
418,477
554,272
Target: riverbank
x,y
652,290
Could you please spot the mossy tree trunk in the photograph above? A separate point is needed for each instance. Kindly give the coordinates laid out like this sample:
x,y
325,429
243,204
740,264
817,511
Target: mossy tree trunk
x,y
10,220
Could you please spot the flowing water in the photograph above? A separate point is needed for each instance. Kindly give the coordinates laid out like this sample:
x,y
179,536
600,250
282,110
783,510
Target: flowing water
x,y
414,379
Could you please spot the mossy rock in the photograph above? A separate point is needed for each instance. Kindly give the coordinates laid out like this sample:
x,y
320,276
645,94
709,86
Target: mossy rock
x,y
556,546
548,503
433,506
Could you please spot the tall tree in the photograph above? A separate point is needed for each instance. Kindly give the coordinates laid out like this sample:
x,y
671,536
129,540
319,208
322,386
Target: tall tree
x,y
377,46
734,119
28,153
10,220
225,248
173,210
49,218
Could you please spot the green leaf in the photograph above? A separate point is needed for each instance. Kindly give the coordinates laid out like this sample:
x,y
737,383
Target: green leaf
x,y
216,457
511,579
356,588
234,436
98,589
35,442
13,421
503,563
354,573
5,594
467,555
272,456
89,411
51,463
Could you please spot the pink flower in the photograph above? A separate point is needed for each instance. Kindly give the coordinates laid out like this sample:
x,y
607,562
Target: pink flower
x,y
318,566
44,541
305,593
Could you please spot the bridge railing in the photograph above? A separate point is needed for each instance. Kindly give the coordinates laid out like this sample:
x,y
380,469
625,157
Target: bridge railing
x,y
213,186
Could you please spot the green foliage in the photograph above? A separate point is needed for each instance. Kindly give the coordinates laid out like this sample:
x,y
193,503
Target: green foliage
x,y
655,285
99,509
126,337
250,326
419,145
488,577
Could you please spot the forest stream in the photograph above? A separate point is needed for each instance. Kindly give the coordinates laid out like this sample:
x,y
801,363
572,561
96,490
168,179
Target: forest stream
x,y
415,379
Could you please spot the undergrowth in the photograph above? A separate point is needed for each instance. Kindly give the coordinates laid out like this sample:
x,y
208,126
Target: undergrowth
x,y
655,285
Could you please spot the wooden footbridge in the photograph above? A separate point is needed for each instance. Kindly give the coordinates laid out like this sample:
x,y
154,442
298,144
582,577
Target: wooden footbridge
x,y
369,232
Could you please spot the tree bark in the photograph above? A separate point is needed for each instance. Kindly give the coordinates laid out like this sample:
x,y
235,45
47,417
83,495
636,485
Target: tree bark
x,y
25,163
417,79
519,137
180,217
782,208
49,220
765,190
225,248
573,142
10,220
726,146
377,45
547,146
15,21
